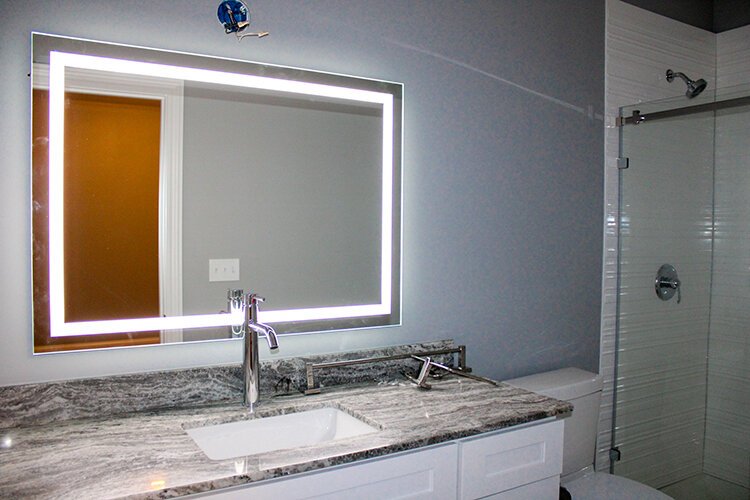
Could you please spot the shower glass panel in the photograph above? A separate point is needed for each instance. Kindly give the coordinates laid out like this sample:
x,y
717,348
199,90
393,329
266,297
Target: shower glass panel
x,y
681,392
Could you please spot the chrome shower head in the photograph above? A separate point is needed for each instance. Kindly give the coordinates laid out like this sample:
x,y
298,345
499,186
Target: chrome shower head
x,y
694,87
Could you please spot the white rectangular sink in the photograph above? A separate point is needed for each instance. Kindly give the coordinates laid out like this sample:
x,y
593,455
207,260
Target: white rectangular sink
x,y
260,435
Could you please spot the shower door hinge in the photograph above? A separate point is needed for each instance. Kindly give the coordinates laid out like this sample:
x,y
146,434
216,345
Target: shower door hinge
x,y
623,163
635,119
614,454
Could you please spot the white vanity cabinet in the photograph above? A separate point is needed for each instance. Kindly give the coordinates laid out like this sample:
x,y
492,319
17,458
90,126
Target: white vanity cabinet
x,y
522,462
427,473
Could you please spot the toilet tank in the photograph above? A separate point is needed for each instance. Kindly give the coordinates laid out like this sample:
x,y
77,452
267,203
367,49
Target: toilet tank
x,y
583,389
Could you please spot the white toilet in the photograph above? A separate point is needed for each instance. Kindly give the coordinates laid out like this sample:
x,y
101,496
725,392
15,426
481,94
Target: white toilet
x,y
584,389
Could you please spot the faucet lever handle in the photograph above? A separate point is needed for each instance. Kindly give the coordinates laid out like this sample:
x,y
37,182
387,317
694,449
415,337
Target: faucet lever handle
x,y
424,372
254,297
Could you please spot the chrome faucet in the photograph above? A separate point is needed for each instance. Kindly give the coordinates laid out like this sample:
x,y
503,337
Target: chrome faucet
x,y
251,364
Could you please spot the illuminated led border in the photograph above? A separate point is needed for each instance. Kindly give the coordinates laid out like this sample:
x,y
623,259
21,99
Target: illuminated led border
x,y
59,61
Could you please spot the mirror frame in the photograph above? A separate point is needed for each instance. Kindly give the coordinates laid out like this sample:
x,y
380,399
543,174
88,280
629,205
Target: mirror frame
x,y
65,52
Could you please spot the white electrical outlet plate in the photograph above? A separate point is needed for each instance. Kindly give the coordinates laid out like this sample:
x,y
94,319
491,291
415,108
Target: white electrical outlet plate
x,y
223,269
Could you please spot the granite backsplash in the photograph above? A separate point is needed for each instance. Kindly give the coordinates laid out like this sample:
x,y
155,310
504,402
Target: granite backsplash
x,y
43,403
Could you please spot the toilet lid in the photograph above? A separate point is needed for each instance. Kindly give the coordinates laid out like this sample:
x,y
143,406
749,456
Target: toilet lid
x,y
603,486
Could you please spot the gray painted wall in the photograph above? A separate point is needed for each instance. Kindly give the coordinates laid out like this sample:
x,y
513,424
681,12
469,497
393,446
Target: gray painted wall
x,y
502,166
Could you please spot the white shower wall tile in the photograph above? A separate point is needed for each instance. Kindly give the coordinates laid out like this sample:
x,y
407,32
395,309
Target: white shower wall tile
x,y
640,46
727,441
733,57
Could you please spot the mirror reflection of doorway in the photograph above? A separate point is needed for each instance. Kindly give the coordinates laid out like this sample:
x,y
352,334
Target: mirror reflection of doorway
x,y
112,212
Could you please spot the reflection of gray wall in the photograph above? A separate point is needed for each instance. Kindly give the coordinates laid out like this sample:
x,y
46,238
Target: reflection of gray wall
x,y
293,192
502,166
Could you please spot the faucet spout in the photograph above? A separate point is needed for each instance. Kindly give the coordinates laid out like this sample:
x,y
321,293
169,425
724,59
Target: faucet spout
x,y
272,338
251,361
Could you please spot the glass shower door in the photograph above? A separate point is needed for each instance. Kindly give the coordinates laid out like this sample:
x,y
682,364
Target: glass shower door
x,y
666,217
682,377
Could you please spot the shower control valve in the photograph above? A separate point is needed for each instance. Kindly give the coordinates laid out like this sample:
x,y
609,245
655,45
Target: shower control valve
x,y
667,283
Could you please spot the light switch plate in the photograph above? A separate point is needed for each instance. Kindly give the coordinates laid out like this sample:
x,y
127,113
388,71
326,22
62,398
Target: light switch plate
x,y
223,269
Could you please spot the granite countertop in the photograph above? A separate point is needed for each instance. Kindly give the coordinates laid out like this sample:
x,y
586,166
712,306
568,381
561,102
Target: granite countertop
x,y
149,455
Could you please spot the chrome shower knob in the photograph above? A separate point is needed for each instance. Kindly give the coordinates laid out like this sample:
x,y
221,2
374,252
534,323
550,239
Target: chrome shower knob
x,y
667,283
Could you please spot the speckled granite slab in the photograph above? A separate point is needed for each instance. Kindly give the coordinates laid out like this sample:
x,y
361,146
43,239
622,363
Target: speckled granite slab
x,y
149,455
38,404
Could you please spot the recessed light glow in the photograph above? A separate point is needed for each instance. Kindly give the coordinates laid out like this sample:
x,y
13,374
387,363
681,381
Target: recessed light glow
x,y
59,61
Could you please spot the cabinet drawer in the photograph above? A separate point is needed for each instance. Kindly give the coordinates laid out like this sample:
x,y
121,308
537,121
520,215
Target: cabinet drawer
x,y
427,474
507,460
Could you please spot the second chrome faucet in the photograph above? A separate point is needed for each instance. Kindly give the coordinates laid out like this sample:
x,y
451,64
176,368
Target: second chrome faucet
x,y
251,362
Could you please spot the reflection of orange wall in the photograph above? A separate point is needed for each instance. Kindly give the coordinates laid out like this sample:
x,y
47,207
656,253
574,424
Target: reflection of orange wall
x,y
140,246
111,207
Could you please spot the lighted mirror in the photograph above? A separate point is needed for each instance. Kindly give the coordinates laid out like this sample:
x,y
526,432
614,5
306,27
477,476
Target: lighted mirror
x,y
161,180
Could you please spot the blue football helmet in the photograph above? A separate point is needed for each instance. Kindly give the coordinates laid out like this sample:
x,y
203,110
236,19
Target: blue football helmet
x,y
233,15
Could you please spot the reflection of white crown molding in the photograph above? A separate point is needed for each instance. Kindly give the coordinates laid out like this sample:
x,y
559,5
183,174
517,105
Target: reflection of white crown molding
x,y
170,93
170,211
106,83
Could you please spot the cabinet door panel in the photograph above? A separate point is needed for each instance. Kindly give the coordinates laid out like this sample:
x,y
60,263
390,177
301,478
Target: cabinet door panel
x,y
507,460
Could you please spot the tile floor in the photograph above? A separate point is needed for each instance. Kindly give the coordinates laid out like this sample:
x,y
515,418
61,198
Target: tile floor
x,y
704,487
